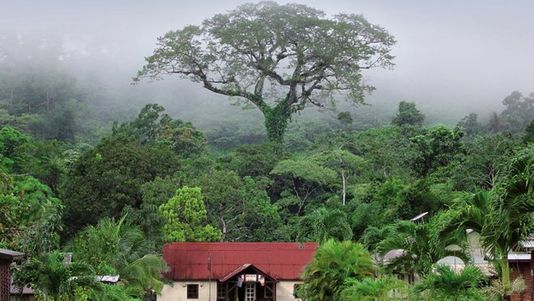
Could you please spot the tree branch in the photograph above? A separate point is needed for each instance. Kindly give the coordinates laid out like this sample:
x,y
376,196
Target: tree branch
x,y
255,99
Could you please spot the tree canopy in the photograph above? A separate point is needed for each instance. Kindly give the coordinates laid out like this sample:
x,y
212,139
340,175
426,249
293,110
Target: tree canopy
x,y
408,115
185,217
279,58
385,197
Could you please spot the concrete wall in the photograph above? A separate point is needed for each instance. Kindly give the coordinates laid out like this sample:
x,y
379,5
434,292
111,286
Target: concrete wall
x,y
178,291
284,290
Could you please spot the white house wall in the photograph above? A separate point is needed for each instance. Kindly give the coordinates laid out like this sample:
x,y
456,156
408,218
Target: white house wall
x,y
178,291
284,290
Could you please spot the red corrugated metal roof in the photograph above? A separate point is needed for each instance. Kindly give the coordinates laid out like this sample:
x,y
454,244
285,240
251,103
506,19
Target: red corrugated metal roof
x,y
280,260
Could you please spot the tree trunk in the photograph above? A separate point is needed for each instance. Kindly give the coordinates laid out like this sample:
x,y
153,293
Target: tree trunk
x,y
224,230
344,187
505,271
276,121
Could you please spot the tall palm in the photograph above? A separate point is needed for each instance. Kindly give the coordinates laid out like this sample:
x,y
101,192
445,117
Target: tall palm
x,y
500,230
418,247
144,274
512,204
120,246
502,216
333,264
139,272
52,278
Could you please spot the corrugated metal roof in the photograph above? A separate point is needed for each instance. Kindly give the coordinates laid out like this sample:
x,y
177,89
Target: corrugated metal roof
x,y
108,278
518,256
10,254
192,260
527,244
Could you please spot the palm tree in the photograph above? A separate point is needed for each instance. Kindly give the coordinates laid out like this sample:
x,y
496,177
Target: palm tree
x,y
417,246
52,278
144,274
118,247
502,216
500,226
333,264
446,284
323,224
374,289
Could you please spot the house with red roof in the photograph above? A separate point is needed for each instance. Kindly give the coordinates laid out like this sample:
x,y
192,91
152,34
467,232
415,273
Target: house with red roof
x,y
240,271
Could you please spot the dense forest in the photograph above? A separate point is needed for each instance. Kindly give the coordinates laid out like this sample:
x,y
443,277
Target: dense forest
x,y
112,186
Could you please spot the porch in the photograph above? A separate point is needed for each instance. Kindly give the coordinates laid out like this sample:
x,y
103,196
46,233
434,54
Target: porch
x,y
247,283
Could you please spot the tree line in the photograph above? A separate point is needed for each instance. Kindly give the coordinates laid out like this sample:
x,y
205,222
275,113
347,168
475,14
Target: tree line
x,y
153,180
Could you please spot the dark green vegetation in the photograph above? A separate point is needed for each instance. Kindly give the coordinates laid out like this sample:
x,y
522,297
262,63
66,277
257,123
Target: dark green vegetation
x,y
70,181
153,180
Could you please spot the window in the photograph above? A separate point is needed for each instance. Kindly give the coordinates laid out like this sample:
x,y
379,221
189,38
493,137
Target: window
x,y
221,291
192,291
250,291
296,290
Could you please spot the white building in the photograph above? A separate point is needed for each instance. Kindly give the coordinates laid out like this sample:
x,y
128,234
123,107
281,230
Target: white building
x,y
235,271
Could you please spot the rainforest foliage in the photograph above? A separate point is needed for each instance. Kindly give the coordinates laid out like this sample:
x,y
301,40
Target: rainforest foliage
x,y
157,179
110,189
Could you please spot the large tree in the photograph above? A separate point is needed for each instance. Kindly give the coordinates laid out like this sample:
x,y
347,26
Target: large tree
x,y
408,115
518,113
278,58
185,217
107,179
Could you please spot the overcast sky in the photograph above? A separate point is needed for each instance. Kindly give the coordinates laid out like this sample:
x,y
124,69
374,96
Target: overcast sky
x,y
460,52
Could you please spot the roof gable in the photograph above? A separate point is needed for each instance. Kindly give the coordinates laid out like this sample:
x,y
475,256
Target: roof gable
x,y
245,268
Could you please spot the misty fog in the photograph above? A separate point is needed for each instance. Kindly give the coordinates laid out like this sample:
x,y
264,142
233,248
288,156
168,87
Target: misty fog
x,y
451,57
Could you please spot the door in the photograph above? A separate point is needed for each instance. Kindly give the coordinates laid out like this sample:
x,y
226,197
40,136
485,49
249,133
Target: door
x,y
250,291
